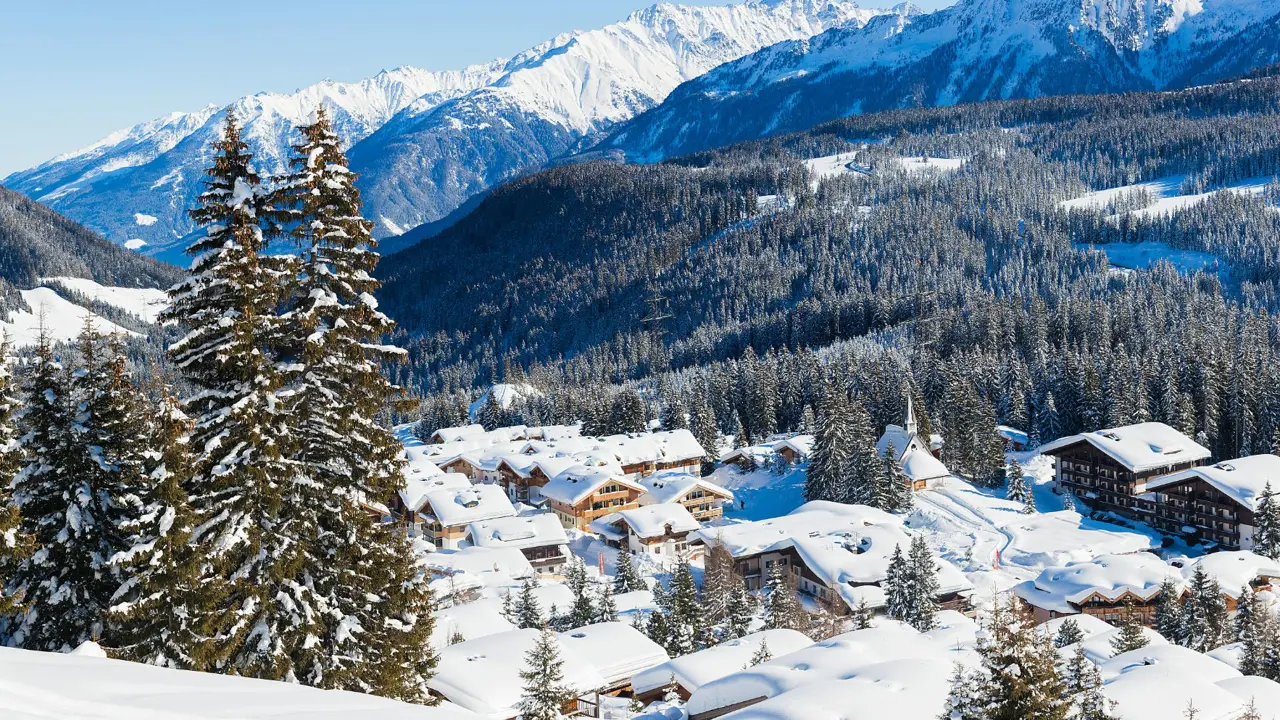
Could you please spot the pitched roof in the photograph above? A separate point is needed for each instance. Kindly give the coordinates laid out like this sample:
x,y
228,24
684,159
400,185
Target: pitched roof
x,y
653,520
463,506
415,491
1140,447
524,531
694,670
1243,479
671,485
578,482
1108,576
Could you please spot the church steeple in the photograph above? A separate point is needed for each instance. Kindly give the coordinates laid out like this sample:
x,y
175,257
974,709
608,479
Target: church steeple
x,y
912,427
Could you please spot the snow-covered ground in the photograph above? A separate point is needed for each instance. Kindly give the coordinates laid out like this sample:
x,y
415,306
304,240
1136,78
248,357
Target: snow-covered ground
x,y
1165,193
1168,205
146,303
833,165
930,164
64,319
87,686
1138,256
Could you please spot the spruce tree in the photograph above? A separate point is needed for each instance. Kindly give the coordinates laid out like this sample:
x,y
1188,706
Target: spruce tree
x,y
606,608
328,341
1020,678
762,653
1255,631
1266,533
1206,613
583,610
15,545
1130,636
829,462
545,693
254,614
862,616
865,480
963,700
1084,688
899,588
685,623
67,582
1069,633
739,613
718,580
626,579
149,608
527,611
702,423
782,609
1017,490
1170,617
896,493
924,583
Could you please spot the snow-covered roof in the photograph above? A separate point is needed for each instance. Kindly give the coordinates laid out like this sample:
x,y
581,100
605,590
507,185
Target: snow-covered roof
x,y
483,675
415,491
492,566
523,531
1140,447
1013,434
1157,682
694,670
1233,569
578,482
903,689
1090,625
1109,576
81,685
921,465
801,445
1100,647
463,506
672,485
903,441
453,434
615,649
471,620
652,521
813,520
1058,538
890,653
1242,479
661,446
1264,693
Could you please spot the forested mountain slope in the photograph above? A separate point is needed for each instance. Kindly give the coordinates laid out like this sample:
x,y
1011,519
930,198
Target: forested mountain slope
x,y
940,231
974,50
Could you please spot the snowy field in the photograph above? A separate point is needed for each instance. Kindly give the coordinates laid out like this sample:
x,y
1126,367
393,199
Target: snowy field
x,y
146,303
930,164
1166,194
87,686
1139,256
64,319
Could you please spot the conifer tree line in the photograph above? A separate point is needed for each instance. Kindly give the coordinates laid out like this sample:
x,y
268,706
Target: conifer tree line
x,y
225,528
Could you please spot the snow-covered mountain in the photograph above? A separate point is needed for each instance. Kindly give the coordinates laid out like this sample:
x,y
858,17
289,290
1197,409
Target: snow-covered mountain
x,y
974,50
425,141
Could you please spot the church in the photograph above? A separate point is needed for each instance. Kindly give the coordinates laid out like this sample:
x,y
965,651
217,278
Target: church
x,y
918,456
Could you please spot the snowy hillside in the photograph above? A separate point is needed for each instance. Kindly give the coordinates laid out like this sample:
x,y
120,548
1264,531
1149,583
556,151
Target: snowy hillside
x,y
60,304
85,685
436,137
975,50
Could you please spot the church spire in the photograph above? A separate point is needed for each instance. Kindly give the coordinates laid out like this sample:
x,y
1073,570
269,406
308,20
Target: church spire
x,y
912,427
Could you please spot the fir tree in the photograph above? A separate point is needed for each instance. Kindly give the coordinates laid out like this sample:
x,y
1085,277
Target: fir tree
x,y
1206,613
1130,636
66,510
718,580
1170,616
628,413
1020,678
1069,633
526,610
1017,490
159,566
865,481
829,462
545,693
894,491
606,608
1255,631
782,609
674,414
702,424
328,345
255,617
583,611
739,612
762,653
685,624
862,615
626,578
1266,534
15,545
963,700
924,584
1084,688
899,593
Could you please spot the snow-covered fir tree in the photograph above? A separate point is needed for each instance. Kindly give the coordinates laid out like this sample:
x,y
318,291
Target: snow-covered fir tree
x,y
1084,688
1266,534
1170,615
674,414
899,590
1017,490
686,625
606,607
924,575
256,616
628,413
739,612
865,481
963,700
782,608
583,610
1130,636
526,610
545,693
762,653
15,545
894,494
159,567
718,581
1205,616
1069,633
1019,677
702,423
1255,631
328,343
625,578
862,615
829,463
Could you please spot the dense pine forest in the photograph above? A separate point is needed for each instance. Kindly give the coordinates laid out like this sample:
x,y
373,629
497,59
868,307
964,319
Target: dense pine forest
x,y
888,281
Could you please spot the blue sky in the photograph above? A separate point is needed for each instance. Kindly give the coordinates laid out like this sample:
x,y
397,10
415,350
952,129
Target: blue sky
x,y
72,71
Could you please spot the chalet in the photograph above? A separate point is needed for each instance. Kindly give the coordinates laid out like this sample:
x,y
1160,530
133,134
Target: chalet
x,y
539,536
460,576
407,503
524,475
790,450
838,554
445,514
702,498
1111,469
919,457
795,449
1234,570
581,494
454,434
471,465
694,670
659,530
1013,438
616,651
1215,503
1100,587
646,453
